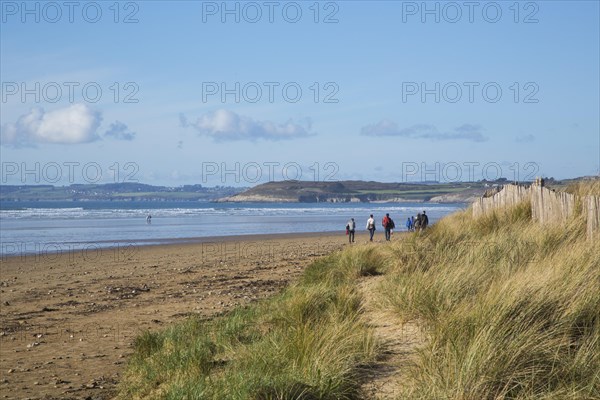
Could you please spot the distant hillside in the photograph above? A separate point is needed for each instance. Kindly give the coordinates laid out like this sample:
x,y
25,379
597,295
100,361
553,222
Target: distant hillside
x,y
281,191
127,191
360,191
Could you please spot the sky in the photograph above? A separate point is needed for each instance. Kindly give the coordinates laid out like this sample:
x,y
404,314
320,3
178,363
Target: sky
x,y
239,93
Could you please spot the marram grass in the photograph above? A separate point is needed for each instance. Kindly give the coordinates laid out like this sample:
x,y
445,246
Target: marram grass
x,y
309,342
508,310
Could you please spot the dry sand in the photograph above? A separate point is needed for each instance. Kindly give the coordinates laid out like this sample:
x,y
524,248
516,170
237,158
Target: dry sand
x,y
68,321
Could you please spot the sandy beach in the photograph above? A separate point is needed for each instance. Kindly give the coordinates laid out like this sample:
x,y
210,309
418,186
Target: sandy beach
x,y
68,321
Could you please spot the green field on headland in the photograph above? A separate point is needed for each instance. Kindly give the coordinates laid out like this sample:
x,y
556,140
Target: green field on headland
x,y
504,309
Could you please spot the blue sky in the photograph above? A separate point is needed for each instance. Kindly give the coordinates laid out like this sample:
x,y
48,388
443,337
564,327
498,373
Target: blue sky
x,y
238,93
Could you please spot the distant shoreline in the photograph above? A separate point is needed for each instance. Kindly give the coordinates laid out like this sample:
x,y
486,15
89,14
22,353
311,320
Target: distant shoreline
x,y
273,191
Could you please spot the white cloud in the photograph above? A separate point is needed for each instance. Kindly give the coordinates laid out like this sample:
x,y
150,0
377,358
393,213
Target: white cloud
x,y
525,138
119,131
425,131
183,122
74,124
224,125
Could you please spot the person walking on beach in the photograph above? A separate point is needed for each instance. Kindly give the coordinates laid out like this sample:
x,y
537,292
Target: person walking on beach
x,y
149,219
417,225
409,225
424,220
371,227
350,228
388,225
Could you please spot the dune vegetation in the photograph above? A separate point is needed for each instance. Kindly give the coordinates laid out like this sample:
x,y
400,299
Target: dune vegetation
x,y
584,188
507,309
308,342
511,309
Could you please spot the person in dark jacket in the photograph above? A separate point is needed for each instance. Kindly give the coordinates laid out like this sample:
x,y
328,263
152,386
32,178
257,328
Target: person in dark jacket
x,y
351,228
424,220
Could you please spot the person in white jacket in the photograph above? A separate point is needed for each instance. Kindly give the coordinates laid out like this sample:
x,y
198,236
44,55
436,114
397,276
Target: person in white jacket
x,y
371,227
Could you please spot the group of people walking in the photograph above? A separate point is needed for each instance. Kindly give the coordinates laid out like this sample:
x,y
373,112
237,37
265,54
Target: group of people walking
x,y
417,224
412,224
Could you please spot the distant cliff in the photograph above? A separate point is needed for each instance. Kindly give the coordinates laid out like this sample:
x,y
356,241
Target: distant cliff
x,y
360,191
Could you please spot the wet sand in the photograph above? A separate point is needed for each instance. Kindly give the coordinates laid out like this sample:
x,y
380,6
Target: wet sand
x,y
68,321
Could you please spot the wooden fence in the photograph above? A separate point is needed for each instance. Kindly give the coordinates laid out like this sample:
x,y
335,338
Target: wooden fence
x,y
547,206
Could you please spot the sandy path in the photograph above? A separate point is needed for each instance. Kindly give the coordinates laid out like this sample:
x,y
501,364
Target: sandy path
x,y
67,322
400,341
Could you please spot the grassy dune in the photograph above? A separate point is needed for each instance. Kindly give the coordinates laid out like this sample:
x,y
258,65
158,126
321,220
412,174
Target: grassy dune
x,y
511,310
508,310
588,188
309,342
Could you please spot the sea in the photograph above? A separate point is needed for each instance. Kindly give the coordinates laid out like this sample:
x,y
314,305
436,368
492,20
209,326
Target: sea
x,y
30,227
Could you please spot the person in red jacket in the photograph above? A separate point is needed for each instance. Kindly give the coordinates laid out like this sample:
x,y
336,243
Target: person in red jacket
x,y
388,225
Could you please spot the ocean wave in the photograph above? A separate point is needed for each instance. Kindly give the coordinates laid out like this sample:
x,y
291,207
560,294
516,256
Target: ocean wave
x,y
106,213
